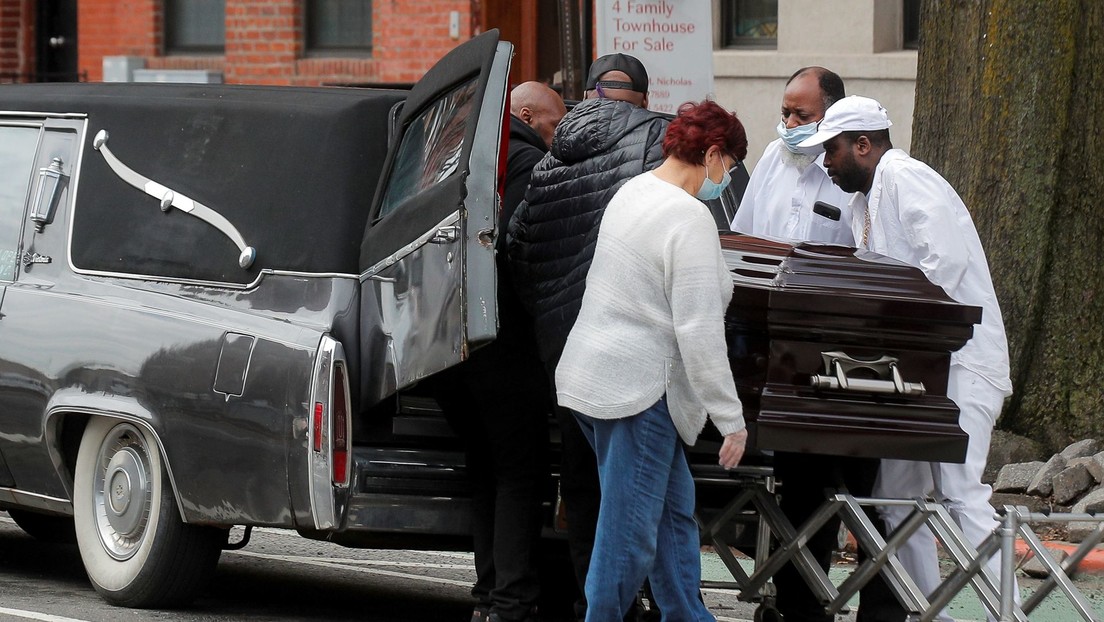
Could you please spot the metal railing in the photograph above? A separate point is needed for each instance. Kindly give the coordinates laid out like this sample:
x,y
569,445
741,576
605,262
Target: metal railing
x,y
755,496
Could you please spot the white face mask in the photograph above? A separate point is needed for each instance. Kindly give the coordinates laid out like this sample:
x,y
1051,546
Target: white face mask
x,y
792,137
710,189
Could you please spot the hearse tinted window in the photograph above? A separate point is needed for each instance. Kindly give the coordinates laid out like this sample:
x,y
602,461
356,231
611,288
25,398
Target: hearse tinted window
x,y
17,151
431,147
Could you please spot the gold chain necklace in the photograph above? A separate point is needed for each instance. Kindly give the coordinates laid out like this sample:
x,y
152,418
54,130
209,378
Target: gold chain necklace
x,y
866,225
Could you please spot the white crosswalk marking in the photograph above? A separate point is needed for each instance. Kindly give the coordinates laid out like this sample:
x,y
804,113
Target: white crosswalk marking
x,y
34,615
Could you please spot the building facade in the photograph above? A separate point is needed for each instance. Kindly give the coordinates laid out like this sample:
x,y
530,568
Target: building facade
x,y
871,44
757,43
286,42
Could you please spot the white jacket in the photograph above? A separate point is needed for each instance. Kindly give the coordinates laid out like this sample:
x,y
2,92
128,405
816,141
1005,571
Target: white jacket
x,y
779,198
652,319
918,218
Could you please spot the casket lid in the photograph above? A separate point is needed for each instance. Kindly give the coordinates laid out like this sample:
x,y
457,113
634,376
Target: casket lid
x,y
836,277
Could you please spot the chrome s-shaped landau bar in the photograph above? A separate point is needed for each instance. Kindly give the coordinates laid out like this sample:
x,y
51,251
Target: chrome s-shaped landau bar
x,y
169,198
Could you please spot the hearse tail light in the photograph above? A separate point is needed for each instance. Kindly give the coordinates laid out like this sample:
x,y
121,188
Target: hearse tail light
x,y
329,430
319,413
341,430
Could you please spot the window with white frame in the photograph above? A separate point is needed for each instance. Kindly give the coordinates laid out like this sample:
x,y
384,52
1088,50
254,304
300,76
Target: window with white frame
x,y
338,26
195,26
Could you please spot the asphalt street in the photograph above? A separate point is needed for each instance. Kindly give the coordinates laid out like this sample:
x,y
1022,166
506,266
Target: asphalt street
x,y
282,577
278,577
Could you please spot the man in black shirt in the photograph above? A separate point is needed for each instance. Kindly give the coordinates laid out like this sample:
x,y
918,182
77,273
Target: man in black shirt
x,y
499,402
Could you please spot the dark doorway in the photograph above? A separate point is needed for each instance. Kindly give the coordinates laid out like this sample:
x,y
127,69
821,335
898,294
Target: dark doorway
x,y
56,46
533,27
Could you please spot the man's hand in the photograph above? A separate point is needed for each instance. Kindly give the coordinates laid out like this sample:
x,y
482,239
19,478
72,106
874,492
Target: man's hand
x,y
732,449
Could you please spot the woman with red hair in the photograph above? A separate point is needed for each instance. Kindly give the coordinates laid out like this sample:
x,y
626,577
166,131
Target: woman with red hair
x,y
646,364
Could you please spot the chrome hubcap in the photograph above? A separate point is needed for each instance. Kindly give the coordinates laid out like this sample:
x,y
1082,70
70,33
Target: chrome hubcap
x,y
123,491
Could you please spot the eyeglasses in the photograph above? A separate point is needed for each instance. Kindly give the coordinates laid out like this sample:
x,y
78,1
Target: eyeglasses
x,y
735,161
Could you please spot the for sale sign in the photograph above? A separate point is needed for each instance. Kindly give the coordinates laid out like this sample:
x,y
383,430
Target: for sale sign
x,y
674,40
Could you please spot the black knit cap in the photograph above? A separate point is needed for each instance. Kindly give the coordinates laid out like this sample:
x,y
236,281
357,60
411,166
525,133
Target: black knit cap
x,y
618,62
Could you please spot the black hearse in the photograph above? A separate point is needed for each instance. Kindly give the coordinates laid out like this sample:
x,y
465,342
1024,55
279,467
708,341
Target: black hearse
x,y
204,288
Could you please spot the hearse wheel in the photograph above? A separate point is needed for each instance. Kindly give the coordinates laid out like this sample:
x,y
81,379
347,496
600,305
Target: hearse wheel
x,y
136,550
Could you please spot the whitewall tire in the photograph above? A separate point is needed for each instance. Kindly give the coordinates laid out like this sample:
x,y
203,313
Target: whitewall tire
x,y
136,549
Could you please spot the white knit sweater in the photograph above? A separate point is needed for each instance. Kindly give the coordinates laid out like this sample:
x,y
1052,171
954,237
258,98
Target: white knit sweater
x,y
652,320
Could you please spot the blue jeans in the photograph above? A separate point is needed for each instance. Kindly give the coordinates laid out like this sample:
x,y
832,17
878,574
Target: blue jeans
x,y
646,524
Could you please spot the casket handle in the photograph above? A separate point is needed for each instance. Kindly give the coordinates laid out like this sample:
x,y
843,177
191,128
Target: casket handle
x,y
839,365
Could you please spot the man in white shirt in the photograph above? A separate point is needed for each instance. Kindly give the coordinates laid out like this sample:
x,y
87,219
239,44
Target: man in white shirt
x,y
905,210
782,195
790,196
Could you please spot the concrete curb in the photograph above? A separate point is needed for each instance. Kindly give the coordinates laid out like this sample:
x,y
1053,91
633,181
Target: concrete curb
x,y
1093,563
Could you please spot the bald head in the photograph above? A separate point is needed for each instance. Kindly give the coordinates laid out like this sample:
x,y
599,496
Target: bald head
x,y
539,107
828,82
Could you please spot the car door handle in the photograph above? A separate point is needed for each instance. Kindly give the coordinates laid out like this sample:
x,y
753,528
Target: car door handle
x,y
444,235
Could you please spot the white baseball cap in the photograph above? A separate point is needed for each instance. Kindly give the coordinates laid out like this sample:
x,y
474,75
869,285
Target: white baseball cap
x,y
850,114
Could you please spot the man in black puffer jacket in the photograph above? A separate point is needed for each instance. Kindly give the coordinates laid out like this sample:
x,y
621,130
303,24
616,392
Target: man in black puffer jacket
x,y
604,141
598,146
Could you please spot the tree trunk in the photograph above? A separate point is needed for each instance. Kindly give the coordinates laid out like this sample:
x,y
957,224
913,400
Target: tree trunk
x,y
1010,109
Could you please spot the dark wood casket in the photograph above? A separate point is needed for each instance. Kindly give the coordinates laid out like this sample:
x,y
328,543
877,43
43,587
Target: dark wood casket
x,y
843,352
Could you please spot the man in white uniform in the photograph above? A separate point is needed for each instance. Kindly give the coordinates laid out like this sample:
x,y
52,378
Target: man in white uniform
x,y
790,196
789,180
905,210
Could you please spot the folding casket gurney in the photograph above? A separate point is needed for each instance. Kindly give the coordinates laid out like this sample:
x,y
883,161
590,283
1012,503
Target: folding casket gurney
x,y
841,352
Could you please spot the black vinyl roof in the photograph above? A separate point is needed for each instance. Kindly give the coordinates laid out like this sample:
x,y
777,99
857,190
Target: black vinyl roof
x,y
294,169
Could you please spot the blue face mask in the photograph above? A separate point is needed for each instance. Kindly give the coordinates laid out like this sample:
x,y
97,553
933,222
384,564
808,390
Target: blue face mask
x,y
792,137
710,189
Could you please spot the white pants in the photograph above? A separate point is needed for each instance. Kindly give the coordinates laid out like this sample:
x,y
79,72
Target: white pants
x,y
957,486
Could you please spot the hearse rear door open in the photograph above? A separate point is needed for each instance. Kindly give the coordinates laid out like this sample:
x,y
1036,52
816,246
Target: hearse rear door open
x,y
427,258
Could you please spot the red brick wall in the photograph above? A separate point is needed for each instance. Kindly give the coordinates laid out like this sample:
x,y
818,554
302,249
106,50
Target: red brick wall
x,y
17,23
411,35
264,41
116,28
